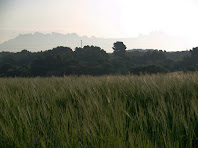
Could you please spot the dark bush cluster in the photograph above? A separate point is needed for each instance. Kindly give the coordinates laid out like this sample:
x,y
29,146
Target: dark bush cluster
x,y
92,60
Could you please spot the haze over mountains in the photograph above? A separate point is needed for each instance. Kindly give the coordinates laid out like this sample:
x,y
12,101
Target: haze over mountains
x,y
39,41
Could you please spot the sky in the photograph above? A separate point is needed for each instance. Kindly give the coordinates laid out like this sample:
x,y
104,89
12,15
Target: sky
x,y
100,18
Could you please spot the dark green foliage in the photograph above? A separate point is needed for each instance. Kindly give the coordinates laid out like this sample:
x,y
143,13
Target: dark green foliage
x,y
92,60
119,48
150,69
191,68
191,63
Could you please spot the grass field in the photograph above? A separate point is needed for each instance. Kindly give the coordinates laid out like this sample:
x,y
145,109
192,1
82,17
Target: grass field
x,y
107,111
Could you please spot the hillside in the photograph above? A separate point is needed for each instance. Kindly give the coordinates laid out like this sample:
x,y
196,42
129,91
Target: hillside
x,y
39,41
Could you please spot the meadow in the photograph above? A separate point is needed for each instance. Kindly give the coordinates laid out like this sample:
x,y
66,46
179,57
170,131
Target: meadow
x,y
106,111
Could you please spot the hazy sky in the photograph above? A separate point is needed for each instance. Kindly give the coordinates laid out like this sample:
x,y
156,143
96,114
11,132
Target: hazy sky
x,y
101,18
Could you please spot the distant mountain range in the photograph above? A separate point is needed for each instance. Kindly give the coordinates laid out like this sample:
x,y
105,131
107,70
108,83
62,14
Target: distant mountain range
x,y
39,41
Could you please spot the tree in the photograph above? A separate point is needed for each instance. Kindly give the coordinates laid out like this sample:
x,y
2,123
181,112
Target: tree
x,y
119,48
92,60
148,69
194,52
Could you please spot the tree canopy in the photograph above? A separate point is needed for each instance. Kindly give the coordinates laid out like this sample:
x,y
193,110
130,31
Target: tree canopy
x,y
93,60
119,48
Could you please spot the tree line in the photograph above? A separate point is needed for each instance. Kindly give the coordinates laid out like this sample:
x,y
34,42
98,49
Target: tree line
x,y
92,60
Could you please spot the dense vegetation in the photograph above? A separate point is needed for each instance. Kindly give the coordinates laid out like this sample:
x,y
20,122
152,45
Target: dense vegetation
x,y
106,111
91,60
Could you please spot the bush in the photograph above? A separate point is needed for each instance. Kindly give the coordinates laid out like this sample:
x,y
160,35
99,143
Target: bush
x,y
150,69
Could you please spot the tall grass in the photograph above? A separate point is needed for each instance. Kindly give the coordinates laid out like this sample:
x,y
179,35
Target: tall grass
x,y
106,111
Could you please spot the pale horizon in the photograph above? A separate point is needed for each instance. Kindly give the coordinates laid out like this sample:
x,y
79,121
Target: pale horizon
x,y
103,19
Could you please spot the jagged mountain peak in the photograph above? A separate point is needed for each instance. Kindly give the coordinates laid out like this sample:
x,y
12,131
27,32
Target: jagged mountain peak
x,y
40,41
